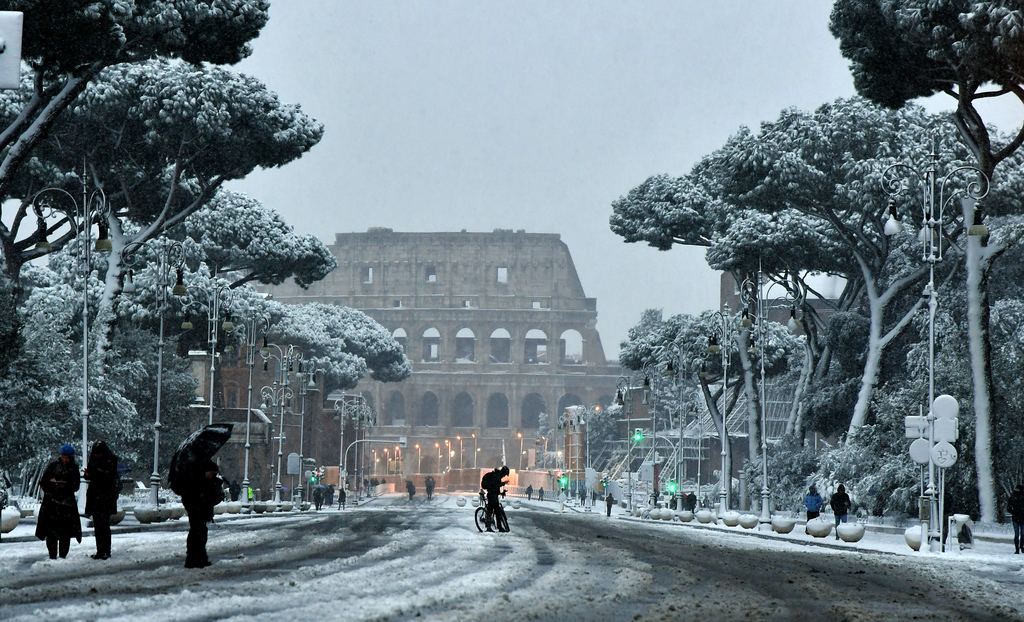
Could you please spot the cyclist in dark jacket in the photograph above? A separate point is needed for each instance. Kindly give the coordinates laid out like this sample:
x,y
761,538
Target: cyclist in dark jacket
x,y
491,484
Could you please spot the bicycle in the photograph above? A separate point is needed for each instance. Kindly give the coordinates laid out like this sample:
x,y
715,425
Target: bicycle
x,y
484,519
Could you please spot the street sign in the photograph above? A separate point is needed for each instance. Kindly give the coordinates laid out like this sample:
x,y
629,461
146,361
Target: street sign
x,y
919,451
945,407
10,55
402,441
294,466
917,427
943,455
947,430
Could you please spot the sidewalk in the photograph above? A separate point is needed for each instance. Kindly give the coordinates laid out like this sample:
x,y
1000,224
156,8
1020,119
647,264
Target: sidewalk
x,y
877,538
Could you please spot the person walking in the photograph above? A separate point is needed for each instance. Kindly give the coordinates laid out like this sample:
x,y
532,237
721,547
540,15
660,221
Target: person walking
x,y
410,488
200,490
234,489
609,501
341,498
529,492
101,495
318,497
813,503
1016,507
57,521
840,504
540,494
329,496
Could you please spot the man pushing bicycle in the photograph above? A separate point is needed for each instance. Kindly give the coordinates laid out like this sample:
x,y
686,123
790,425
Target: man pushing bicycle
x,y
491,483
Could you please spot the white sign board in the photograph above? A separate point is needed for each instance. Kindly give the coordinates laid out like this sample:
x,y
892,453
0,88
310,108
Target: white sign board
x,y
10,57
294,466
916,426
947,430
919,451
943,455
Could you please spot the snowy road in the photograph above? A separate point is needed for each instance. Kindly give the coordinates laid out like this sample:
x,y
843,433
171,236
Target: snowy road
x,y
389,560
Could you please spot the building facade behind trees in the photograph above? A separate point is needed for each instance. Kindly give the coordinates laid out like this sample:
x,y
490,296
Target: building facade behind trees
x,y
496,326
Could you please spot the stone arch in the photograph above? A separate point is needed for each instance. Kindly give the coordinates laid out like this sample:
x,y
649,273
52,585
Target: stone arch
x,y
570,348
535,347
401,338
533,406
501,346
497,411
462,410
429,409
394,409
569,399
431,345
465,346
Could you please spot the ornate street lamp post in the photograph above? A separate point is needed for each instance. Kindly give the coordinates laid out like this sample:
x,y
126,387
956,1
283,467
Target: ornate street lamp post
x,y
721,341
249,330
936,197
80,217
170,255
218,296
278,396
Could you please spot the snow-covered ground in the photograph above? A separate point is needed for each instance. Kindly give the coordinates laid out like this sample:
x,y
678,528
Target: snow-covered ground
x,y
390,559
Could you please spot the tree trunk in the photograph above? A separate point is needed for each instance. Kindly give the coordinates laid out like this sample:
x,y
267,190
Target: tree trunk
x,y
981,372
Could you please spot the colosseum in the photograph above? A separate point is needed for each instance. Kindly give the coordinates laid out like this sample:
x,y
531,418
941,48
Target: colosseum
x,y
497,328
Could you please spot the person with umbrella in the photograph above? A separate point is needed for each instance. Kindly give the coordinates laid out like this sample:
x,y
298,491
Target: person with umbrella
x,y
58,520
194,476
101,496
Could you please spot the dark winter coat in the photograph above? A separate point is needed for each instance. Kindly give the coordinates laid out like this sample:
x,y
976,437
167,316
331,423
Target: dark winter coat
x,y
1016,506
200,493
104,482
840,503
58,512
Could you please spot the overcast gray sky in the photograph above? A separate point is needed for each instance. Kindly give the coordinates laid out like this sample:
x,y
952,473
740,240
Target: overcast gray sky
x,y
450,115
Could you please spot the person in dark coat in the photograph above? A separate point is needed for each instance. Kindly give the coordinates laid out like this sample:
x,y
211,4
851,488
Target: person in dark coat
x,y
429,483
529,492
840,504
329,496
101,495
201,489
691,501
813,503
58,520
341,498
540,494
1016,507
411,488
318,497
609,501
234,489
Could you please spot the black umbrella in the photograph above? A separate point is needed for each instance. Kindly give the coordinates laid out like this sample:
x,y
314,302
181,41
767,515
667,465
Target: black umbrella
x,y
198,447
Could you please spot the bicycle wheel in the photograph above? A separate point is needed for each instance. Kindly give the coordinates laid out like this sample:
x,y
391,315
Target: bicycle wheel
x,y
480,518
501,519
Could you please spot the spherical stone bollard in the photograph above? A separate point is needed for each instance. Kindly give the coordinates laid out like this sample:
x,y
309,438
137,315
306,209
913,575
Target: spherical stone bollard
x,y
460,501
731,518
516,504
233,507
705,516
9,519
146,514
684,516
667,514
850,532
286,506
748,521
783,524
913,537
219,508
818,528
117,517
655,514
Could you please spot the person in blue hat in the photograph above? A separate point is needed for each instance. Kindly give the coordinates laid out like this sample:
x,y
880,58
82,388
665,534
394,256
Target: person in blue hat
x,y
58,520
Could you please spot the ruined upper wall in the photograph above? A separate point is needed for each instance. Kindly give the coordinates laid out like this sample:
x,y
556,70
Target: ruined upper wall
x,y
500,270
